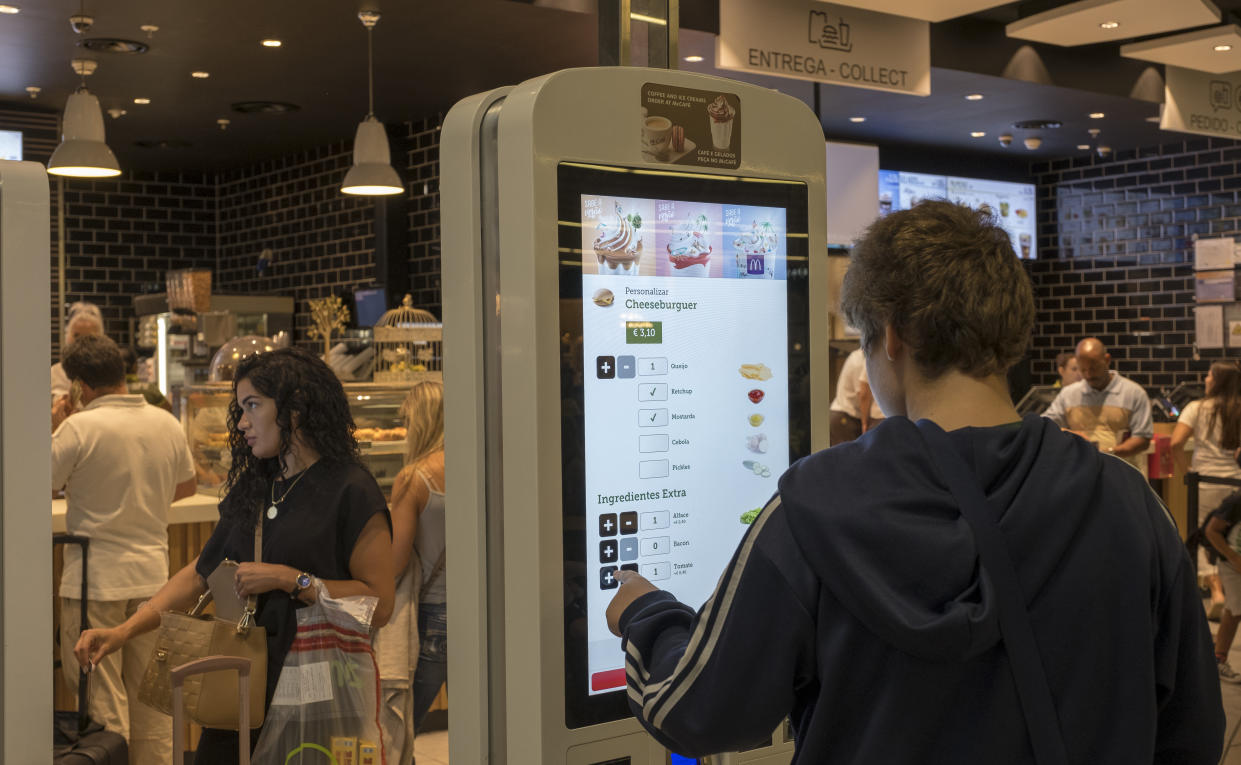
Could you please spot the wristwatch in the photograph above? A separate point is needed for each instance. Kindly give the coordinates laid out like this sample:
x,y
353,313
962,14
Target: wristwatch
x,y
301,583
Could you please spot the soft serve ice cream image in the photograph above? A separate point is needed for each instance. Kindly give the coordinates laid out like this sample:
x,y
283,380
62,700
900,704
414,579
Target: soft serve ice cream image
x,y
755,251
721,114
619,247
689,253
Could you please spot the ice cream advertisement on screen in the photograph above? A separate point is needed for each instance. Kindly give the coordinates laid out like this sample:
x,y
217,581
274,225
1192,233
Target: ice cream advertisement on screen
x,y
682,126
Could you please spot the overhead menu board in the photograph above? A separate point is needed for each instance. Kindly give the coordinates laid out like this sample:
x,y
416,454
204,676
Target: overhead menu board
x,y
1012,203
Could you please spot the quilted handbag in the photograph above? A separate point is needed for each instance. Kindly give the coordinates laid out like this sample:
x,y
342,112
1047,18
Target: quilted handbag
x,y
210,699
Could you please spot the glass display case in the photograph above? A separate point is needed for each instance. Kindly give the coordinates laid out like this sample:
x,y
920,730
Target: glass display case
x,y
376,412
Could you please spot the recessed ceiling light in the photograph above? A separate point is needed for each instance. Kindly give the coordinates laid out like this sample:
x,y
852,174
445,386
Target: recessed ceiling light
x,y
1097,115
857,119
271,42
974,97
142,100
200,75
977,134
1083,147
10,9
1222,48
693,59
1109,25
1153,119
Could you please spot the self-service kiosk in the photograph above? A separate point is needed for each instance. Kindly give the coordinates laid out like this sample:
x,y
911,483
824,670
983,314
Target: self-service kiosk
x,y
635,319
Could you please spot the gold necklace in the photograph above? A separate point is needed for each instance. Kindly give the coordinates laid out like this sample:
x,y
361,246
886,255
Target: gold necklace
x,y
272,510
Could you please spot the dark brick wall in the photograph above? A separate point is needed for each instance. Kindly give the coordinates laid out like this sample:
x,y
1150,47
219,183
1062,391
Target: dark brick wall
x,y
123,234
321,240
422,162
1116,255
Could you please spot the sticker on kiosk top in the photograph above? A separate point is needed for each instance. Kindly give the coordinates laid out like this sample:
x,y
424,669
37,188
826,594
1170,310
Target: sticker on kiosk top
x,y
683,126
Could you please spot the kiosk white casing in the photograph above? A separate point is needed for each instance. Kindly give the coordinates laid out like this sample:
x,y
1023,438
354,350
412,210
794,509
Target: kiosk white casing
x,y
582,116
25,465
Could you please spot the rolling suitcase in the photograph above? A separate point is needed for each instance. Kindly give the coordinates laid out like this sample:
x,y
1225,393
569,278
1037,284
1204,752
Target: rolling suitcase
x,y
211,664
76,739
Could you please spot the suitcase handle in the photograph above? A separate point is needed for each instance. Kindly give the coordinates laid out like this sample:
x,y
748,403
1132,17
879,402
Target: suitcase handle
x,y
178,674
83,625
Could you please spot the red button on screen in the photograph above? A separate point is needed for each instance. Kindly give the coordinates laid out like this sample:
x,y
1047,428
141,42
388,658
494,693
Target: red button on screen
x,y
606,681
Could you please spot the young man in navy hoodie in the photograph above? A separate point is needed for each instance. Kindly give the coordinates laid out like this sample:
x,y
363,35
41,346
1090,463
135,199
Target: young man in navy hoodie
x,y
856,603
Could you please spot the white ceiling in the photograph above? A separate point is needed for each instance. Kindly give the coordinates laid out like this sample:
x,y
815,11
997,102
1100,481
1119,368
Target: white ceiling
x,y
1079,23
1193,50
926,10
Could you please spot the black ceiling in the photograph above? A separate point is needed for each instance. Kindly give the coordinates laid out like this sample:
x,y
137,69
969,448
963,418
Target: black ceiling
x,y
430,53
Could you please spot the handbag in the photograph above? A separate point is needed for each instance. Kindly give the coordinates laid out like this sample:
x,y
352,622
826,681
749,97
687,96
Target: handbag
x,y
210,699
1037,705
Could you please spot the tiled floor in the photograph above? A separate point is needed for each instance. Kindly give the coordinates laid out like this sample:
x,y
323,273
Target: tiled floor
x,y
1232,708
432,748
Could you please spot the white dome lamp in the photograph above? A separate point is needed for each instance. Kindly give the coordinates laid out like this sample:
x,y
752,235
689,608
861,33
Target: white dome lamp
x,y
372,173
82,152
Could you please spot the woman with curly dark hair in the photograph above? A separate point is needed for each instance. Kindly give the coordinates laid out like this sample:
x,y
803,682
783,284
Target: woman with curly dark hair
x,y
295,469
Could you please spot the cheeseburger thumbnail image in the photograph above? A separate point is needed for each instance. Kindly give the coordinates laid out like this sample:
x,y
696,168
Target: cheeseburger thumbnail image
x,y
603,297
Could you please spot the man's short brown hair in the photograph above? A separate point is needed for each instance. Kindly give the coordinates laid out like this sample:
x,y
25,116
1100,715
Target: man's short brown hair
x,y
945,277
96,361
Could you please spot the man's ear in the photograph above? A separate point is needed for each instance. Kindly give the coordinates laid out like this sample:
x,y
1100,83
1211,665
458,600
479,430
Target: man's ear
x,y
892,343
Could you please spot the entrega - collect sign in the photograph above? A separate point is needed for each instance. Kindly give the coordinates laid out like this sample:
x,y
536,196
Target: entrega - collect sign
x,y
809,40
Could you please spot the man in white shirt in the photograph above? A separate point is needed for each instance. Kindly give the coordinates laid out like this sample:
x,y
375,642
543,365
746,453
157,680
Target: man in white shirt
x,y
854,410
122,462
1112,411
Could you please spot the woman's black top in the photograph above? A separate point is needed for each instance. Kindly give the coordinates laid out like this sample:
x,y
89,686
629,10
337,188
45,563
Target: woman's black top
x,y
315,530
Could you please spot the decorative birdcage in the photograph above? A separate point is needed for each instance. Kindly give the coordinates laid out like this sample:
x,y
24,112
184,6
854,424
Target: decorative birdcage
x,y
408,345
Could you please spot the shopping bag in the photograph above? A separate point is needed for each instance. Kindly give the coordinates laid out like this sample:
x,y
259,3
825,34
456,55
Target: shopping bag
x,y
326,703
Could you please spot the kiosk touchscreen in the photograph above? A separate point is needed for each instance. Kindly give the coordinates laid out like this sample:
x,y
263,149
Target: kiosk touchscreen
x,y
633,260
684,379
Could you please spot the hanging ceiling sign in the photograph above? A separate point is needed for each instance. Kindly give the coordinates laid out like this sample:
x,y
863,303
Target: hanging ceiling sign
x,y
810,40
1201,102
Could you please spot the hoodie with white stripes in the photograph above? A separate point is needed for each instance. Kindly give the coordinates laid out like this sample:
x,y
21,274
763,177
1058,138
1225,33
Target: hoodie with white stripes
x,y
856,606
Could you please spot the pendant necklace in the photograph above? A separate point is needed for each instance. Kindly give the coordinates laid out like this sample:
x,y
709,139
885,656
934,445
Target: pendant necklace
x,y
272,510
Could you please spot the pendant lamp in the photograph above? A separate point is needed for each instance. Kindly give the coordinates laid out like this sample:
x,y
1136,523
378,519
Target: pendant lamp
x,y
82,152
372,173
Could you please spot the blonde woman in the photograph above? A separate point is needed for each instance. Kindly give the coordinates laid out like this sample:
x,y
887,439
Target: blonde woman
x,y
413,650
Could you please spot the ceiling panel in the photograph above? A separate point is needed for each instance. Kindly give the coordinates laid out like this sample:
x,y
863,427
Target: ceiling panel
x,y
1216,50
926,10
1089,21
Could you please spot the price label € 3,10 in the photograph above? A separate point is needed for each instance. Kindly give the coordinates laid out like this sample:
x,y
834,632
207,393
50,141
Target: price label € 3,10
x,y
644,332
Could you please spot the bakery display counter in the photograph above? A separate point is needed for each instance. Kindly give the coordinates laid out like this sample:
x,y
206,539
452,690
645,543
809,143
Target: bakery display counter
x,y
376,411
